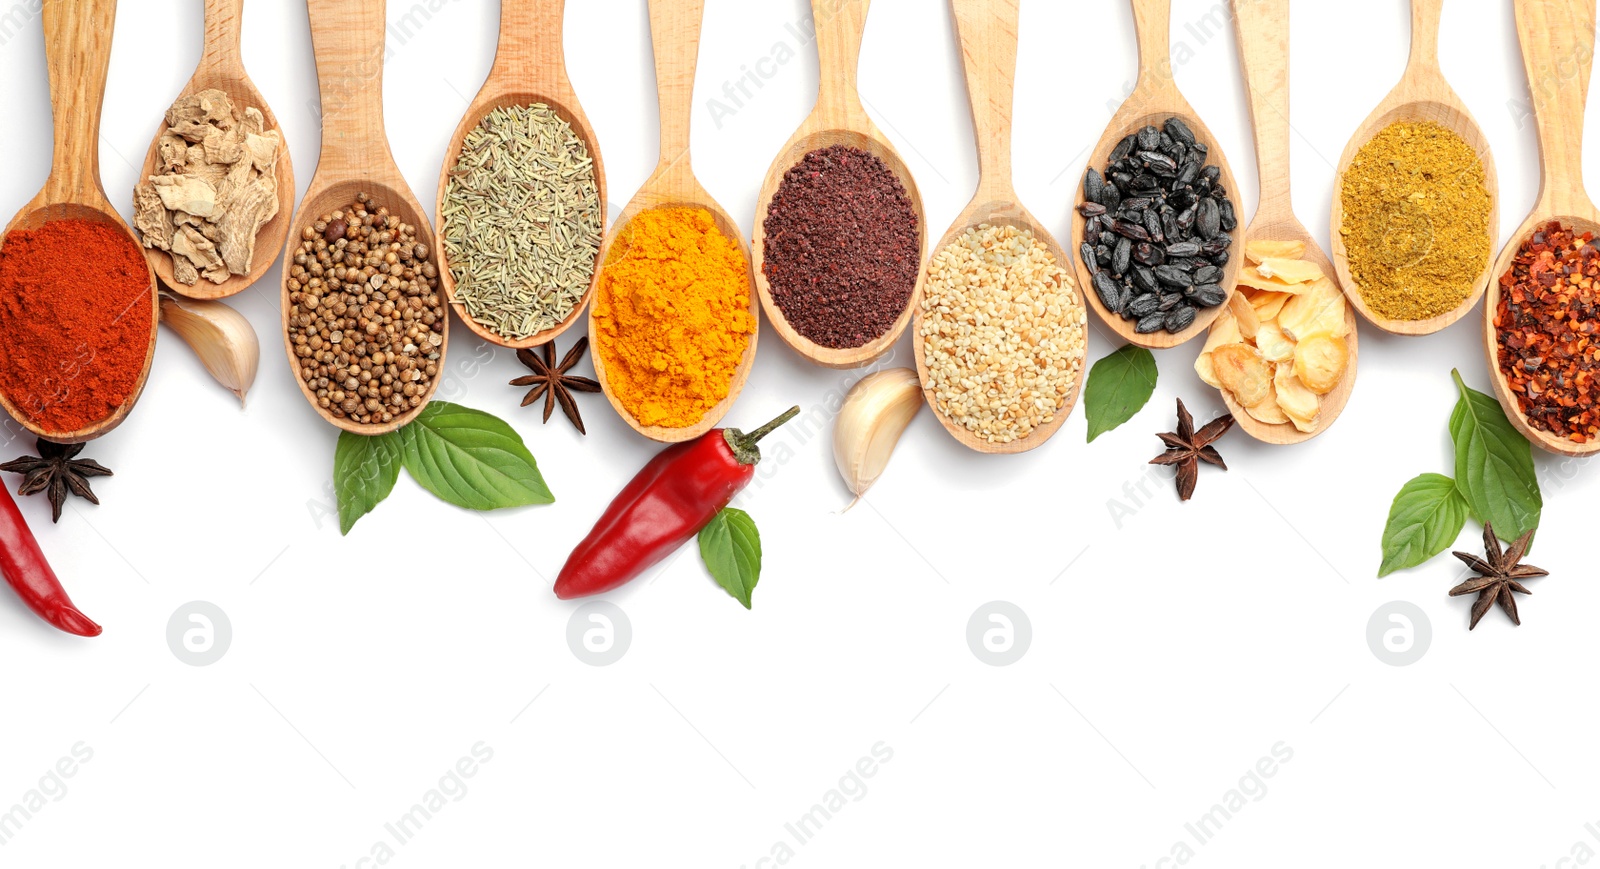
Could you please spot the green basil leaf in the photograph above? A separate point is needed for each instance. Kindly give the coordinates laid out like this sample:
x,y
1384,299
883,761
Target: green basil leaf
x,y
1427,516
1119,385
364,472
471,459
1494,465
731,549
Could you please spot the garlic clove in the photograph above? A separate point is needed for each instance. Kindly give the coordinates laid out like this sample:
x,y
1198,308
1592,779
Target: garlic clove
x,y
222,338
874,416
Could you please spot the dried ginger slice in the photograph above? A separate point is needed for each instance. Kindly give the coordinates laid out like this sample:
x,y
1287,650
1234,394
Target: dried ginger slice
x,y
1241,370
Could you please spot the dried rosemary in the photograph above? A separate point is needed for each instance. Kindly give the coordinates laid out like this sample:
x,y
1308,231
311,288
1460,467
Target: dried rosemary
x,y
522,221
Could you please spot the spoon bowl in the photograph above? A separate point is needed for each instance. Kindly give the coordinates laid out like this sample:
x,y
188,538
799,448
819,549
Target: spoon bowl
x,y
348,39
1422,96
1553,34
987,31
529,67
1154,100
77,39
675,34
222,68
1262,28
838,119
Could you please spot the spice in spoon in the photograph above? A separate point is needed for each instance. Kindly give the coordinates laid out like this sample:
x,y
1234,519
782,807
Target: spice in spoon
x,y
522,221
552,382
1545,325
672,316
842,247
1415,220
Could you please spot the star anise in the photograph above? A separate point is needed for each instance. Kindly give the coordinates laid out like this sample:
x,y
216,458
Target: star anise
x,y
1497,575
1187,448
553,383
57,471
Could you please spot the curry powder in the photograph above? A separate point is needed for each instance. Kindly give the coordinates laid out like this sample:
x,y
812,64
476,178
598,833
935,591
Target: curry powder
x,y
1416,220
672,316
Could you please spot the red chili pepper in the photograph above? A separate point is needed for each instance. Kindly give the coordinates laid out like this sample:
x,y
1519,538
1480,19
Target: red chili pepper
x,y
30,575
678,493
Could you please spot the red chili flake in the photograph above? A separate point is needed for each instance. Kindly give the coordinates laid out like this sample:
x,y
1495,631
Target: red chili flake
x,y
1549,308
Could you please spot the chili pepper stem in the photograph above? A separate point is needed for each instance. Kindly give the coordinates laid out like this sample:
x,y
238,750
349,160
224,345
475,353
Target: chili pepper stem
x,y
744,445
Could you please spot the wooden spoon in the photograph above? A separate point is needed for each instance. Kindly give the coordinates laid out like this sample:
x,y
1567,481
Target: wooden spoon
x,y
222,68
529,67
77,44
1557,39
838,119
1422,95
987,31
1154,100
1262,27
348,39
675,35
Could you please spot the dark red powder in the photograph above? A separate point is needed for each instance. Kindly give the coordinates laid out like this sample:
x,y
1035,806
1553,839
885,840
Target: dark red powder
x,y
75,317
842,247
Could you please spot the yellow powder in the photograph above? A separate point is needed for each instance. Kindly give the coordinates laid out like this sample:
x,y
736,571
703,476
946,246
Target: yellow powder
x,y
672,316
1416,220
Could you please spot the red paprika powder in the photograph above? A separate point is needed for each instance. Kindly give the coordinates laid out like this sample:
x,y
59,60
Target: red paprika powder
x,y
75,320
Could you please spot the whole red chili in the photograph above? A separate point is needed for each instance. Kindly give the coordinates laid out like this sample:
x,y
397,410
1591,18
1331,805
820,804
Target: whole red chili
x,y
665,505
25,568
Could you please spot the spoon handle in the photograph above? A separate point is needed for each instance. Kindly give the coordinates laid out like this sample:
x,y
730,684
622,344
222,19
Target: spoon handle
x,y
77,40
531,51
1152,21
839,29
1263,31
224,30
675,36
1557,39
1425,15
987,31
348,40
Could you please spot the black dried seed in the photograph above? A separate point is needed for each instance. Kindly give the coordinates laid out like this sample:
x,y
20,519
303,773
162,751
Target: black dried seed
x,y
1146,184
1216,245
1113,198
1131,215
1137,203
1130,230
1183,248
1186,220
1109,292
1206,295
1191,171
1152,225
1145,280
1120,257
1220,260
1143,306
1102,255
1211,174
1094,187
1150,255
1159,163
1091,209
1179,131
1174,277
1229,221
1149,138
1207,275
1201,148
1121,180
1170,301
1123,149
1180,318
1086,251
1152,323
1169,225
1208,222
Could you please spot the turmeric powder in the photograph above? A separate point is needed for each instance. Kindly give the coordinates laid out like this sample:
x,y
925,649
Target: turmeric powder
x,y
672,316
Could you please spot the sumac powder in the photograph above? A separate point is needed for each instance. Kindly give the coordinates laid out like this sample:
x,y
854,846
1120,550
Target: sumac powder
x,y
1546,325
75,314
842,247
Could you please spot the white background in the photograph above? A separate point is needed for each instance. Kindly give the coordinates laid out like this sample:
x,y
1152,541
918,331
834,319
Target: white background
x,y
1172,648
